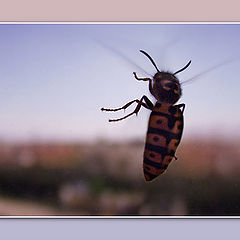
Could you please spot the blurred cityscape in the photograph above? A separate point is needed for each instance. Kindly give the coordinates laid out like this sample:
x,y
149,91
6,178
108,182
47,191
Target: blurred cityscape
x,y
106,179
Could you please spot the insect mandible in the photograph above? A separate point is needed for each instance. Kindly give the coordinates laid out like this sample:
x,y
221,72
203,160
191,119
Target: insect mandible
x,y
165,125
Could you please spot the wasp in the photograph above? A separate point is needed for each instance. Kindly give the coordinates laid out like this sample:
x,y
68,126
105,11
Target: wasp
x,y
165,126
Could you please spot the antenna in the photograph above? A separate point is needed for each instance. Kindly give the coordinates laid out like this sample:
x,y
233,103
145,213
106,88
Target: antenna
x,y
150,59
183,68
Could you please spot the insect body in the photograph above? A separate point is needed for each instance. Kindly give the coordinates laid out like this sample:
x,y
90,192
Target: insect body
x,y
163,136
165,123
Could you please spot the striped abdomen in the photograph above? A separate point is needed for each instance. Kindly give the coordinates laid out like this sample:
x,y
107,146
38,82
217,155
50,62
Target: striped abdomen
x,y
163,136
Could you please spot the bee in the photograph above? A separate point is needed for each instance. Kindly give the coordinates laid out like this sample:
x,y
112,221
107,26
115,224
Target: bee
x,y
165,126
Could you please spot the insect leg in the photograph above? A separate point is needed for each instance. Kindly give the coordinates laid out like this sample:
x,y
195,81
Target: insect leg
x,y
148,102
147,105
117,109
145,79
141,79
181,105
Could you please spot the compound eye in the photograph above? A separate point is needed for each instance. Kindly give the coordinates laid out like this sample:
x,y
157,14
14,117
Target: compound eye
x,y
158,78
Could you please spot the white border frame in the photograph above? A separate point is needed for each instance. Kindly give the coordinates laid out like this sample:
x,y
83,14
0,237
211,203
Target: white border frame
x,y
118,23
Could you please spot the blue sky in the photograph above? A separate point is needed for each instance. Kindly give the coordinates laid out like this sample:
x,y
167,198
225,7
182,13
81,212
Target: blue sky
x,y
54,78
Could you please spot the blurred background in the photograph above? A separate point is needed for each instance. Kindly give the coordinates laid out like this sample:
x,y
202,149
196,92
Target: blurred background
x,y
59,155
